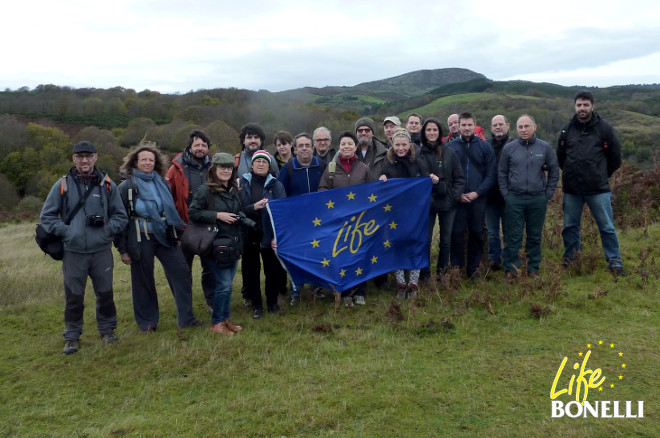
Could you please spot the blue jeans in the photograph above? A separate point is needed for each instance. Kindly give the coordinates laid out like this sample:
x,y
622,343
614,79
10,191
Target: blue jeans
x,y
224,278
601,209
495,214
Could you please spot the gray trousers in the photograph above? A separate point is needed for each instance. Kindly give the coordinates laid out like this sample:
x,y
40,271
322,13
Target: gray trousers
x,y
76,267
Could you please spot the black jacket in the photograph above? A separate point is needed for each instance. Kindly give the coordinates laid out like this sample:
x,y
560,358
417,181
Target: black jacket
x,y
446,194
225,201
588,153
494,196
410,166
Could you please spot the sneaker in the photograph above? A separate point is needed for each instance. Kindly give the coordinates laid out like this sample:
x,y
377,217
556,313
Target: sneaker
x,y
359,300
412,291
618,271
294,301
247,303
348,301
71,347
109,338
221,328
257,313
401,291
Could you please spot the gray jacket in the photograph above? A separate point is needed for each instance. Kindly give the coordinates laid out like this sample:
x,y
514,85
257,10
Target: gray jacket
x,y
103,203
522,168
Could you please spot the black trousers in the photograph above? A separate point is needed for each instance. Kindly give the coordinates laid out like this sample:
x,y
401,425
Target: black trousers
x,y
251,273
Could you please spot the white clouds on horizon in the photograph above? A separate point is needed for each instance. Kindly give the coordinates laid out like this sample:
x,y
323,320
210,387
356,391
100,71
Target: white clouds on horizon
x,y
170,47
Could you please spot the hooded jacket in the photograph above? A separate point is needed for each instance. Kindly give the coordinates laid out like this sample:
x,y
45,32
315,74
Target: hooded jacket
x,y
104,201
184,177
588,153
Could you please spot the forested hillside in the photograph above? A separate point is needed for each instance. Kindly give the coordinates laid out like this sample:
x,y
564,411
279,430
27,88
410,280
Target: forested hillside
x,y
38,126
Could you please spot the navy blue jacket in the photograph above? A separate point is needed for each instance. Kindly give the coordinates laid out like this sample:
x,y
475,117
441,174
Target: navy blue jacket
x,y
477,162
273,189
298,180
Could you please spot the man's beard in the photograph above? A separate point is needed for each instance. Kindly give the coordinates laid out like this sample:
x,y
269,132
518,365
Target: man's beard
x,y
364,141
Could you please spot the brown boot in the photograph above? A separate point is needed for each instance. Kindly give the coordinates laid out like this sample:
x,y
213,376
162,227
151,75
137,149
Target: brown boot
x,y
233,327
221,328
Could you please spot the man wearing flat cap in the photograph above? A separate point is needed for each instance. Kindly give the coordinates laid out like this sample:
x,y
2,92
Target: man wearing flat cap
x,y
390,125
87,238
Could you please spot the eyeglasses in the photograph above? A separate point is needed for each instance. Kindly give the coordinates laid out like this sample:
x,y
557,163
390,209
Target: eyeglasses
x,y
322,140
364,130
83,157
303,145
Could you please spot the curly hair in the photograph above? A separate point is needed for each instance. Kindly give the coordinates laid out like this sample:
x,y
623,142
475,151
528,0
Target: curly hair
x,y
130,161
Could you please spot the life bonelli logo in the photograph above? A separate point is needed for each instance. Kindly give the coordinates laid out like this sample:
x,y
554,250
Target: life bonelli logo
x,y
583,381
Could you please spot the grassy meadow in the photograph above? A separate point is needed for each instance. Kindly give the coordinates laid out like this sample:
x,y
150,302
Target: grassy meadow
x,y
467,359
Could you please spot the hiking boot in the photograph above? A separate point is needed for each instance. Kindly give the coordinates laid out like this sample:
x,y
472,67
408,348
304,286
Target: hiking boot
x,y
532,274
221,328
348,301
71,347
109,338
196,323
257,313
618,271
233,327
566,262
359,300
294,301
401,291
412,291
494,266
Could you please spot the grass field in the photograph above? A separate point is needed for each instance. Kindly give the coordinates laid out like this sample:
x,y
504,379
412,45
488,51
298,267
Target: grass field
x,y
467,359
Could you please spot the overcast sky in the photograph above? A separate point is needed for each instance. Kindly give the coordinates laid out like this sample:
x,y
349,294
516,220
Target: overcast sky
x,y
178,46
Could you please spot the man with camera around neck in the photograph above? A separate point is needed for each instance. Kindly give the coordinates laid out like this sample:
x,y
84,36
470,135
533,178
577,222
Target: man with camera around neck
x,y
87,241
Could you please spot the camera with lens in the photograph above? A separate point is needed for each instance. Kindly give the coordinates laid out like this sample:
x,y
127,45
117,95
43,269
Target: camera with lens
x,y
246,220
95,221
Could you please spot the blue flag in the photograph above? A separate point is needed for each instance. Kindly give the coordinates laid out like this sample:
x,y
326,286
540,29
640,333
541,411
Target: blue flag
x,y
342,237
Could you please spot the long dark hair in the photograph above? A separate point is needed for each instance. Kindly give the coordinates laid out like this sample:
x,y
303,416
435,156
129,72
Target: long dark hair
x,y
216,185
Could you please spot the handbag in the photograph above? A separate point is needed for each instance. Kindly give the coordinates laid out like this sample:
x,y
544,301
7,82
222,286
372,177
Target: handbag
x,y
198,238
52,244
226,251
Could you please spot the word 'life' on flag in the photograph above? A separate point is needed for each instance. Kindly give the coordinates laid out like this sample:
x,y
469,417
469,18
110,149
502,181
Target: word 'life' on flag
x,y
342,237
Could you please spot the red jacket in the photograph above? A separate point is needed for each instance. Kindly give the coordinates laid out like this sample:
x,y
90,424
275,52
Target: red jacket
x,y
177,179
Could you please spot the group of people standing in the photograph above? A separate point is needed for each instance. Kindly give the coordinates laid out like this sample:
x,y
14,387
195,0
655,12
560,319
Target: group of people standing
x,y
503,183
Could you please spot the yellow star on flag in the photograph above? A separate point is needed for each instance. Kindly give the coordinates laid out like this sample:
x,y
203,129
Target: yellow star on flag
x,y
600,388
358,271
620,377
393,225
623,365
387,244
372,198
612,385
342,272
600,342
325,263
580,354
611,345
351,195
388,207
620,354
374,259
317,222
315,243
588,345
330,204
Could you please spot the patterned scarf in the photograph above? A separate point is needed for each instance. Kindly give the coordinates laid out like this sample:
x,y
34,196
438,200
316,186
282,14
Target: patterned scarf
x,y
144,183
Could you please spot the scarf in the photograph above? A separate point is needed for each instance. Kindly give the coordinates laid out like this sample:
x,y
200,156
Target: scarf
x,y
347,163
145,191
